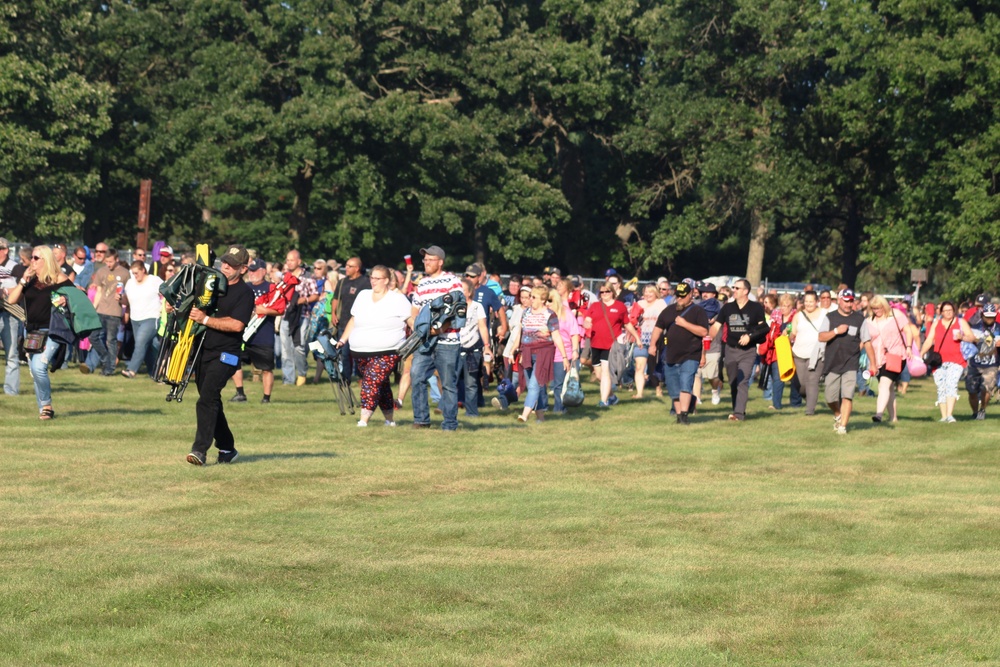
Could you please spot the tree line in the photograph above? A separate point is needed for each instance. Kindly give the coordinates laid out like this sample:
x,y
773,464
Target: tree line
x,y
835,141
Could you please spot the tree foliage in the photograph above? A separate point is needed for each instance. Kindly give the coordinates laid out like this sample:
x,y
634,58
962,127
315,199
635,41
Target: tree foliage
x,y
840,140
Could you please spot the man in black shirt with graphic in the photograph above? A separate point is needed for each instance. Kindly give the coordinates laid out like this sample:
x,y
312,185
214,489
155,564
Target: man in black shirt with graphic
x,y
220,357
745,327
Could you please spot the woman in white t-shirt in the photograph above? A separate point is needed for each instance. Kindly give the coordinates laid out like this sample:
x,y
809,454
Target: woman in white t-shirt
x,y
142,308
807,351
375,331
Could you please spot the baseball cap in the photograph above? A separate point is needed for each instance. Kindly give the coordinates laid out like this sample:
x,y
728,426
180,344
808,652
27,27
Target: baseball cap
x,y
990,310
256,265
982,299
682,290
236,256
609,273
708,288
3,243
555,271
167,250
576,280
846,294
433,251
474,270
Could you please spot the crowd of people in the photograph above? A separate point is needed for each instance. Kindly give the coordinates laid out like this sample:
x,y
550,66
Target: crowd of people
x,y
516,337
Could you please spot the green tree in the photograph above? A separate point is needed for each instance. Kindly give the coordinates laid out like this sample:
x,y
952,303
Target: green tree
x,y
51,114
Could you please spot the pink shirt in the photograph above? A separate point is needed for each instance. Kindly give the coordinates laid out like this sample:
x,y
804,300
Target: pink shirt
x,y
568,327
886,338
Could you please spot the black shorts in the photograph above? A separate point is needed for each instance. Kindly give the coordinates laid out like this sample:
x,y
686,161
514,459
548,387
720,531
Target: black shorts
x,y
597,355
260,357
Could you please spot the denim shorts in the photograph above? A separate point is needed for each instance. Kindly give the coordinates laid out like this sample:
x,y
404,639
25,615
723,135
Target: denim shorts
x,y
640,352
680,377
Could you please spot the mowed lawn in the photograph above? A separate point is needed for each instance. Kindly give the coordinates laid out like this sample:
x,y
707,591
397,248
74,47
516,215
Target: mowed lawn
x,y
611,537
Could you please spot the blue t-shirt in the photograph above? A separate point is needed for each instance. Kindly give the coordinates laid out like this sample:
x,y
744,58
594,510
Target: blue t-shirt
x,y
490,302
265,334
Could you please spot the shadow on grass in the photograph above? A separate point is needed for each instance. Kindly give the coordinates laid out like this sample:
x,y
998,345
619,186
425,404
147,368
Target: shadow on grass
x,y
251,458
119,411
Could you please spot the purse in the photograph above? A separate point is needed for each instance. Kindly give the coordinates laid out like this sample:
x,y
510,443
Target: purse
x,y
894,363
932,357
34,341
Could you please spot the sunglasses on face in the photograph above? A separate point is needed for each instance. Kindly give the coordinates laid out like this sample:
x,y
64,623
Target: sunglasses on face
x,y
604,291
35,257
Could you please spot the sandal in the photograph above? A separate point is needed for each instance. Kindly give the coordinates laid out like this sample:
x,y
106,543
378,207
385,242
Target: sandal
x,y
47,413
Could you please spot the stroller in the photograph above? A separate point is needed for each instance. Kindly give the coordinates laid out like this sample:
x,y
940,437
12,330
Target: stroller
x,y
325,351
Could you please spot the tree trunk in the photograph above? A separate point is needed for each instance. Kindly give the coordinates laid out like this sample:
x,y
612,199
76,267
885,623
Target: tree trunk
x,y
298,223
760,229
852,243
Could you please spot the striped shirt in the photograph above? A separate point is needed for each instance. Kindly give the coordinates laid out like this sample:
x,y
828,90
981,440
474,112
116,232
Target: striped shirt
x,y
430,289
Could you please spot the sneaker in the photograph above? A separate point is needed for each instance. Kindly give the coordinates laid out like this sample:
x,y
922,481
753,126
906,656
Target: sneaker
x,y
362,424
950,420
196,459
227,457
107,374
300,380
266,400
613,400
682,419
238,398
602,404
399,404
716,396
85,369
416,425
981,415
840,430
877,419
499,402
389,422
129,374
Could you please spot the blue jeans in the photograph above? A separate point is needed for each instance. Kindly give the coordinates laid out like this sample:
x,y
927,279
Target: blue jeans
x,y
145,334
444,358
558,376
9,328
39,365
293,357
535,398
107,355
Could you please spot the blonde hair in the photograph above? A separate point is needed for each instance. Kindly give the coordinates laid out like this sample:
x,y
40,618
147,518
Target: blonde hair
x,y
786,300
48,273
556,305
541,291
879,301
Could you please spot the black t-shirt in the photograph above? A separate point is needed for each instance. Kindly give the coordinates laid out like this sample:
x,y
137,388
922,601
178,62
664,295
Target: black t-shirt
x,y
746,320
38,304
682,345
238,304
347,292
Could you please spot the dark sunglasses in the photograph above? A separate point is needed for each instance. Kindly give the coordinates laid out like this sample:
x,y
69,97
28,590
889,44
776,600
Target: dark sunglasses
x,y
35,257
604,291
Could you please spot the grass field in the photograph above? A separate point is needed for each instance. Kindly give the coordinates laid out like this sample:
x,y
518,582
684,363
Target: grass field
x,y
612,537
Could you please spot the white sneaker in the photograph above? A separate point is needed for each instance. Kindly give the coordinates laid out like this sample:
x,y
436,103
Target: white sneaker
x,y
840,430
362,424
389,423
716,397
